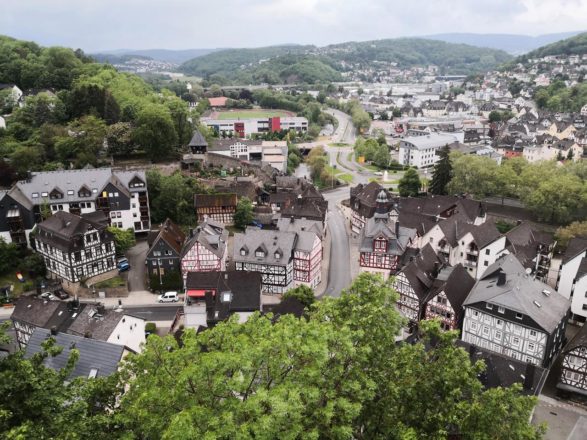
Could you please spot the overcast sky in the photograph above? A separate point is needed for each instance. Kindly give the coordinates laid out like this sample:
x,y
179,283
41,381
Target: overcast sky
x,y
183,24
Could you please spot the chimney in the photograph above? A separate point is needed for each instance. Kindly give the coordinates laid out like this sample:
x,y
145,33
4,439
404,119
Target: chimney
x,y
529,376
53,331
501,278
397,228
291,220
436,269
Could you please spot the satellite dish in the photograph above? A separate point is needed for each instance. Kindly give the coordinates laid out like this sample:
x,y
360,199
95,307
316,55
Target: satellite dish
x,y
528,271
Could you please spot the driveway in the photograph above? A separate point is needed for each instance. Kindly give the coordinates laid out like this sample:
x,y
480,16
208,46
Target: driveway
x,y
137,274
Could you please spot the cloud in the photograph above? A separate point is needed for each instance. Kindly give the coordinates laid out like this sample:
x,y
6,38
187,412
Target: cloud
x,y
176,24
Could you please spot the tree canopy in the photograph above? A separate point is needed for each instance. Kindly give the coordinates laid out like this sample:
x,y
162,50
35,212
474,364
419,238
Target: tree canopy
x,y
410,184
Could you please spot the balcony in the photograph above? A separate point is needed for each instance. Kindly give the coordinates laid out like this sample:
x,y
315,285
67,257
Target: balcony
x,y
472,251
470,263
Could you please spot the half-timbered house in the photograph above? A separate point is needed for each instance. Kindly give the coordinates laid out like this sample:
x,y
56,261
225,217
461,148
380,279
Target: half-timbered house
x,y
218,207
363,202
511,313
268,252
532,247
75,248
414,281
205,249
308,250
445,300
382,241
573,376
165,244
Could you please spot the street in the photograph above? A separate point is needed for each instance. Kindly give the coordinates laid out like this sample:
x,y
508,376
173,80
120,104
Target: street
x,y
137,273
155,312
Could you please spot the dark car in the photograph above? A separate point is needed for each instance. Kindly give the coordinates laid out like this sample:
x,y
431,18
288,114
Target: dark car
x,y
61,294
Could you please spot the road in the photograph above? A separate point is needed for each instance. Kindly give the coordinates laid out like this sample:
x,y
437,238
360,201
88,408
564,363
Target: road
x,y
154,312
339,271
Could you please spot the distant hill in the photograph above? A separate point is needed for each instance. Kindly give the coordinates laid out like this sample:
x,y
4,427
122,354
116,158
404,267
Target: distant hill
x,y
511,43
168,55
576,45
312,64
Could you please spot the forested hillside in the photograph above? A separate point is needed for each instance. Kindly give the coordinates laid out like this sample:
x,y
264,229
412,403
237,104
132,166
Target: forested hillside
x,y
576,45
73,103
310,64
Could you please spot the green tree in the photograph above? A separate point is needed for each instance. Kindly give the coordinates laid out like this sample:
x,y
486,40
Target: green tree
x,y
35,265
243,215
124,239
8,255
409,185
83,143
26,158
575,229
303,293
155,132
120,140
442,173
472,175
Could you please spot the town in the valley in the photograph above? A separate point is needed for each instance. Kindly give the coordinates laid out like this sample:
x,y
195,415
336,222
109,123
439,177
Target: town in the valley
x,y
462,194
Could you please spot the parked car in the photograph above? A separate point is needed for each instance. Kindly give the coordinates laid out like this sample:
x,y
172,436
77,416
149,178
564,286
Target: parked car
x,y
49,296
123,265
61,294
168,297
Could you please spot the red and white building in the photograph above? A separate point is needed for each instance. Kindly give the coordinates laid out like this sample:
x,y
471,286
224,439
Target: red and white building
x,y
246,127
205,250
383,241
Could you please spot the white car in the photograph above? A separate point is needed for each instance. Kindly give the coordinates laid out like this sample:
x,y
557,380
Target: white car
x,y
49,296
168,297
378,173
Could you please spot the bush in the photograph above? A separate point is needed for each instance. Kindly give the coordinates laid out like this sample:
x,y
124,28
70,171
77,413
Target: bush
x,y
150,327
170,281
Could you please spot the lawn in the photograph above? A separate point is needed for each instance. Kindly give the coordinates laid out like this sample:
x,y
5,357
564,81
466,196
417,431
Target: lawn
x,y
340,175
10,278
249,114
117,281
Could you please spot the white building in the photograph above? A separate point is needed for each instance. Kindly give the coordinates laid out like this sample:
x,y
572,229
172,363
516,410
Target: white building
x,y
246,127
420,151
511,313
273,153
572,279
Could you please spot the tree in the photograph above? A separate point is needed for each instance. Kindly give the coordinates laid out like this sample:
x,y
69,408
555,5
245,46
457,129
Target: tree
x,y
409,185
124,239
472,175
442,173
120,140
83,143
243,215
86,99
494,116
35,265
155,132
576,229
8,255
303,293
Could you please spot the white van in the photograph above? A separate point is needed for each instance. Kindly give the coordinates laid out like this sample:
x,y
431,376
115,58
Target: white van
x,y
168,297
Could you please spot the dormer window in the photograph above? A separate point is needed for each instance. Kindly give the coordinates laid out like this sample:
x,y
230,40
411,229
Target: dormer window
x,y
259,253
277,255
244,251
56,194
380,245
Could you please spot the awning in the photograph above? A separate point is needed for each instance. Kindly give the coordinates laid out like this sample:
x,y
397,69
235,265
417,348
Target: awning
x,y
198,293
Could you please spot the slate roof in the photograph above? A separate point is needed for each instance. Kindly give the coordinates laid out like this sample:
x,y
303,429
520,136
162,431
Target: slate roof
x,y
41,313
65,231
93,179
171,234
300,207
429,141
524,242
289,305
456,283
580,340
198,140
503,371
419,271
101,356
292,224
397,243
210,234
363,198
99,326
269,242
245,288
520,293
576,246
457,226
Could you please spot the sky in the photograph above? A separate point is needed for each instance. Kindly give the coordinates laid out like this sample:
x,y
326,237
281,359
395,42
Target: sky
x,y
95,25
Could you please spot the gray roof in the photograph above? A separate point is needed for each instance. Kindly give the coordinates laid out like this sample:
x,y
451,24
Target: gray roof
x,y
210,234
73,180
270,242
576,246
101,356
429,141
520,293
300,225
36,311
397,244
96,326
198,140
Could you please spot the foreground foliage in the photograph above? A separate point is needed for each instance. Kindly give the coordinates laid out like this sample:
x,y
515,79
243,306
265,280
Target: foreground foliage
x,y
337,373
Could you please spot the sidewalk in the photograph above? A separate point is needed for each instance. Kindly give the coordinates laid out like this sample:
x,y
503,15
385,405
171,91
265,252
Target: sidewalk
x,y
138,298
319,291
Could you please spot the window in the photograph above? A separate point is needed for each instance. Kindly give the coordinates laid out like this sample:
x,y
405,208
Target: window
x,y
486,251
110,195
167,252
157,253
259,254
530,346
516,341
499,321
532,333
118,214
486,263
498,335
475,313
519,316
113,215
115,194
243,252
134,205
35,195
474,325
501,310
485,330
431,239
70,192
44,194
53,208
94,190
134,214
489,306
